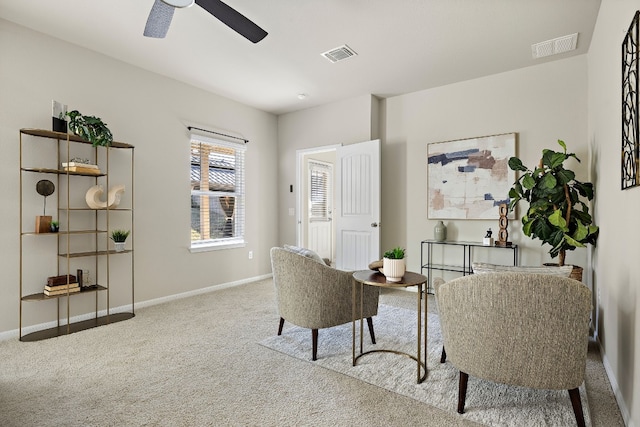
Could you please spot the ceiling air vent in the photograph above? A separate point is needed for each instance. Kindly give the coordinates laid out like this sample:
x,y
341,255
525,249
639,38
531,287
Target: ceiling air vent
x,y
339,53
554,46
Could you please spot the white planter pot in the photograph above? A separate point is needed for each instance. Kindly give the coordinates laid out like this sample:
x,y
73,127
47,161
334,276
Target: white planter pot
x,y
119,246
393,269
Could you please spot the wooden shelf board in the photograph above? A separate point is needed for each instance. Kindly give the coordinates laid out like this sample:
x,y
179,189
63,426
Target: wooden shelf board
x,y
94,253
76,327
33,233
81,232
93,210
41,296
61,172
59,135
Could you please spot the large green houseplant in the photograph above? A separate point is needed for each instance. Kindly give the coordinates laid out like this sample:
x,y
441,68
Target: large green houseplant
x,y
558,214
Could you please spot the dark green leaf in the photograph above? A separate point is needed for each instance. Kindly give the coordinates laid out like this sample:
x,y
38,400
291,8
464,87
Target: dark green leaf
x,y
565,176
574,156
526,227
548,181
528,182
556,160
581,216
541,229
571,241
516,164
555,237
547,155
585,189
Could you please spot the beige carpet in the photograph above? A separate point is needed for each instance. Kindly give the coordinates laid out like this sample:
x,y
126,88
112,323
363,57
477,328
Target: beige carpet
x,y
197,362
487,403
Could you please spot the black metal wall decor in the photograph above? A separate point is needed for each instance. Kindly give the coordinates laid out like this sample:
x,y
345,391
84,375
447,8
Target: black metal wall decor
x,y
630,142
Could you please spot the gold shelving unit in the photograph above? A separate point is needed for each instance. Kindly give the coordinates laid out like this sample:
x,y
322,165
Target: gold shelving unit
x,y
96,236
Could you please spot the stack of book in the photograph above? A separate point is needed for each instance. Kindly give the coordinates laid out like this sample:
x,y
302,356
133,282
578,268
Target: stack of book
x,y
81,167
61,285
53,290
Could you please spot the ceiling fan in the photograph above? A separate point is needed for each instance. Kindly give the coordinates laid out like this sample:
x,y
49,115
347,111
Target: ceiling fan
x,y
162,12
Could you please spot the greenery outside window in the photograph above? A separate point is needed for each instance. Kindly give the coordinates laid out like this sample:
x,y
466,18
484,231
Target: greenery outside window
x,y
217,193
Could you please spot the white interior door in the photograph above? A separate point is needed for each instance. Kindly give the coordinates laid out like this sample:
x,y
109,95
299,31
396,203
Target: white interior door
x,y
357,210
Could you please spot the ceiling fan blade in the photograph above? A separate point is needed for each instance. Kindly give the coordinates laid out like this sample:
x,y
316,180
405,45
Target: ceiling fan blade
x,y
159,20
233,19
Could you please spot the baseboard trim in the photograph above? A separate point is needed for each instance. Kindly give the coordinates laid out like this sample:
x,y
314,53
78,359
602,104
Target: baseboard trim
x,y
200,291
14,333
624,411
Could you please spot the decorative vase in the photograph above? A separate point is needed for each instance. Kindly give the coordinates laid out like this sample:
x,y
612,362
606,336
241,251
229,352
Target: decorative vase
x,y
440,232
393,269
54,228
119,246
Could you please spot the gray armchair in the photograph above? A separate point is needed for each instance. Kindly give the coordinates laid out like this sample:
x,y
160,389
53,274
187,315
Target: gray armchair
x,y
521,329
312,295
482,267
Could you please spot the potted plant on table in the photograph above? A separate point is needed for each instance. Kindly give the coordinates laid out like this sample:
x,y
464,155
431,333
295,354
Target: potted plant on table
x,y
393,265
119,238
558,213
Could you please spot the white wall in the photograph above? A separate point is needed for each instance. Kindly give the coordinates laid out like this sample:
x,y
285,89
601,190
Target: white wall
x,y
345,122
616,259
149,112
541,103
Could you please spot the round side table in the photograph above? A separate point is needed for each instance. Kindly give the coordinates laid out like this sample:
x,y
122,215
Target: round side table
x,y
374,278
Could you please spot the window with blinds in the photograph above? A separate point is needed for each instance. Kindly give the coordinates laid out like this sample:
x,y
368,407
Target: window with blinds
x,y
217,193
319,191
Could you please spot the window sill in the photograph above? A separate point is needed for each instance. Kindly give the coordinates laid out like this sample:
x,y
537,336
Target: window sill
x,y
215,246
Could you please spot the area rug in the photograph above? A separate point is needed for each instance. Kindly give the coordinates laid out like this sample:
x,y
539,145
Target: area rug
x,y
487,403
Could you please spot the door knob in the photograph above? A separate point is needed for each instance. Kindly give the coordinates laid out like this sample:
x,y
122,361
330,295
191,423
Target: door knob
x,y
374,224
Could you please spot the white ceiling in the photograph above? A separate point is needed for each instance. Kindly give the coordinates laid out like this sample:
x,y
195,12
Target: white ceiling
x,y
403,45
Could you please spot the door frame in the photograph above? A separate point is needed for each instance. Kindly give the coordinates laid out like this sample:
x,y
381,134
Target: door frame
x,y
301,181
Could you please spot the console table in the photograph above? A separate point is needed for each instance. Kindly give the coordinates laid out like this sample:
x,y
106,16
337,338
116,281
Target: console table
x,y
467,252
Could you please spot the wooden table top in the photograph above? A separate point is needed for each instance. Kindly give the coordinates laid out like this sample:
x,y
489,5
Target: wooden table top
x,y
375,278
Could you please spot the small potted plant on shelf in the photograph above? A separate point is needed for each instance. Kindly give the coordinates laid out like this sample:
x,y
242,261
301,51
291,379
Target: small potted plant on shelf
x,y
558,213
119,238
54,226
393,265
90,128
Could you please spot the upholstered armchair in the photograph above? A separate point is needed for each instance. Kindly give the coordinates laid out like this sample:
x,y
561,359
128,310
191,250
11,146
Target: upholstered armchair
x,y
483,267
313,295
522,329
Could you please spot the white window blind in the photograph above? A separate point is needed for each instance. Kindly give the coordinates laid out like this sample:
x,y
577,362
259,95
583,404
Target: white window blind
x,y
319,191
217,193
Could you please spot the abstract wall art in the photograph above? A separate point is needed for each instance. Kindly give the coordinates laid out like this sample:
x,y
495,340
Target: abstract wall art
x,y
630,69
469,178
